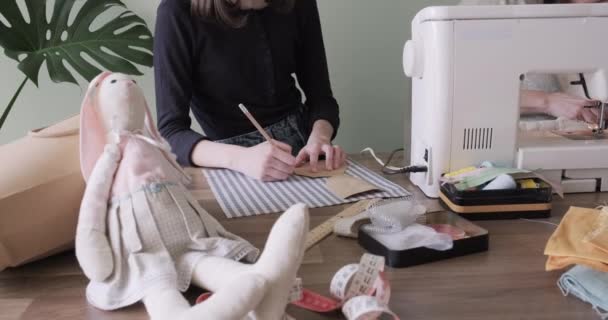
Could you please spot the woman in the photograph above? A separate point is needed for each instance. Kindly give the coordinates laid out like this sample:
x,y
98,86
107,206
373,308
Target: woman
x,y
211,55
550,94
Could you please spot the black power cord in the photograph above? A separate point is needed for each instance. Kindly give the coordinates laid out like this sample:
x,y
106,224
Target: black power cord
x,y
408,169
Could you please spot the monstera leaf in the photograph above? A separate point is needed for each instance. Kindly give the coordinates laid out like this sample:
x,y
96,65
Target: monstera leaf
x,y
33,40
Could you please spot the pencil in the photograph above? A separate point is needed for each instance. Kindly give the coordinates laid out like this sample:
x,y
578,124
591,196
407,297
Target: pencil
x,y
255,123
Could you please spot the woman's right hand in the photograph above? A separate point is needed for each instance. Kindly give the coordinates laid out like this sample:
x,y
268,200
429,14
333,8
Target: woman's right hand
x,y
267,161
571,107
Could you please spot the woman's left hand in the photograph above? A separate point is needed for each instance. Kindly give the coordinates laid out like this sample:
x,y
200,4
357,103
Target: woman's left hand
x,y
319,143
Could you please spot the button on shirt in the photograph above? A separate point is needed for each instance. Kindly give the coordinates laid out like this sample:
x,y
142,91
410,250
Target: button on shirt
x,y
209,68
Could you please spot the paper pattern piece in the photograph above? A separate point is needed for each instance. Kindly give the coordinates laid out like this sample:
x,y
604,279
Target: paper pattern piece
x,y
305,171
345,186
241,196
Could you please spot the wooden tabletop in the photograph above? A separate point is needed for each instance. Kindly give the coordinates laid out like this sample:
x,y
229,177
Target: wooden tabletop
x,y
506,282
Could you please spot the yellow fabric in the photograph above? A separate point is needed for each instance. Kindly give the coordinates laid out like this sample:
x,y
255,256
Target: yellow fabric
x,y
580,239
528,184
459,172
556,263
600,237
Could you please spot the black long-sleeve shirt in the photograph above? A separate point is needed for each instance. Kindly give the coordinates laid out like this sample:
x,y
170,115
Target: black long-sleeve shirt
x,y
209,69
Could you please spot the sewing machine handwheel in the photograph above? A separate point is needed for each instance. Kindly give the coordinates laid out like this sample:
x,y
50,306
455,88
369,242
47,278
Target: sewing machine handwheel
x,y
412,59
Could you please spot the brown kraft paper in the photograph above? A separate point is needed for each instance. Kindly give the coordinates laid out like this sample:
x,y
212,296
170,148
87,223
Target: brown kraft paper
x,y
345,186
40,193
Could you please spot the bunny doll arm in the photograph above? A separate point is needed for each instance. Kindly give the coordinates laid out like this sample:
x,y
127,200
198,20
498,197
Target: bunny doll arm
x,y
92,246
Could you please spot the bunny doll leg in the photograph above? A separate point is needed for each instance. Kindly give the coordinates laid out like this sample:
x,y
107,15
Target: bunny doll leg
x,y
212,273
278,264
165,303
281,259
232,302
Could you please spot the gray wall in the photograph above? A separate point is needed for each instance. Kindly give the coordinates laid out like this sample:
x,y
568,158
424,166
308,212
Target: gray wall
x,y
363,39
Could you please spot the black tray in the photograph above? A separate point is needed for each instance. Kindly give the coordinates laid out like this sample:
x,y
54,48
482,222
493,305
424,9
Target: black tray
x,y
498,204
477,240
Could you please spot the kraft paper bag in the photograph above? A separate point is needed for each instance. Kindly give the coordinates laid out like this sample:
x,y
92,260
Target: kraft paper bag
x,y
41,188
345,186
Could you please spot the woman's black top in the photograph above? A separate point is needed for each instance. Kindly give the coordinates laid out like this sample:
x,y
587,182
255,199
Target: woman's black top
x,y
210,68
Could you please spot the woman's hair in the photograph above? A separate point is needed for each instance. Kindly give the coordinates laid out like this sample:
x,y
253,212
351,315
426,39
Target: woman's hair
x,y
229,13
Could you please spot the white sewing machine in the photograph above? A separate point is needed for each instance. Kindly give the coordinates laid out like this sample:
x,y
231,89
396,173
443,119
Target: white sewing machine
x,y
467,64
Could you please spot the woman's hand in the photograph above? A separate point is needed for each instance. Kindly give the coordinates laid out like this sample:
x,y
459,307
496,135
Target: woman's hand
x,y
266,161
319,143
571,107
559,104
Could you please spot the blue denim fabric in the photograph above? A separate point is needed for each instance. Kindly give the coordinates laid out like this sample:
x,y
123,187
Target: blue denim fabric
x,y
289,130
588,285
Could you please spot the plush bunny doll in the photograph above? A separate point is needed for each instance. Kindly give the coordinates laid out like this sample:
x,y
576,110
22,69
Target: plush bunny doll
x,y
141,235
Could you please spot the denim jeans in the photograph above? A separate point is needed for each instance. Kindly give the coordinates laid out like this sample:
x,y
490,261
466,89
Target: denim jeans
x,y
289,130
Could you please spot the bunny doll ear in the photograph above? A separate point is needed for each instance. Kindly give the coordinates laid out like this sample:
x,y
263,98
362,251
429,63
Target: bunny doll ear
x,y
92,132
153,133
150,126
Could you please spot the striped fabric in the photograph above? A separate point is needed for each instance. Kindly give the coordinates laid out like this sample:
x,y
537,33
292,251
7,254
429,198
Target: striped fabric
x,y
241,196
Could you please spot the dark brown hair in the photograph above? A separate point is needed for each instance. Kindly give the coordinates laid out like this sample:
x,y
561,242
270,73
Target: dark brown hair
x,y
229,13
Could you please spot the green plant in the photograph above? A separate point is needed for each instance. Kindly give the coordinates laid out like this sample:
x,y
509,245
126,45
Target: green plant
x,y
114,45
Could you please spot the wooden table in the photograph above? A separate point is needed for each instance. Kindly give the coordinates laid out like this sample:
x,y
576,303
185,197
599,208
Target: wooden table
x,y
506,282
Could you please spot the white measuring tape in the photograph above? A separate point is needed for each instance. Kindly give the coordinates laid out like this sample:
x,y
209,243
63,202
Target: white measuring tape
x,y
362,292
349,226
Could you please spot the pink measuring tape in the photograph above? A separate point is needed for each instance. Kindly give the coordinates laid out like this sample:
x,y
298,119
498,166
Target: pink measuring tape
x,y
360,290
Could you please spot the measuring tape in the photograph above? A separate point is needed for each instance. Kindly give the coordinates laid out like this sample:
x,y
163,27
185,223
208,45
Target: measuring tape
x,y
360,290
326,228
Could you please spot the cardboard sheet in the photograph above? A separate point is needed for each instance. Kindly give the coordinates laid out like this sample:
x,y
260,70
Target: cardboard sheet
x,y
345,186
305,171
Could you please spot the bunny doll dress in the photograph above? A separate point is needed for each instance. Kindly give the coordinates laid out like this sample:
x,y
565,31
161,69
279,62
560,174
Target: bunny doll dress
x,y
156,229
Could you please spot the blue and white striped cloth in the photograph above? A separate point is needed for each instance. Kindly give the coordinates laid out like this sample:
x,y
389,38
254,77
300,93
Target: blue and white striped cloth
x,y
241,196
